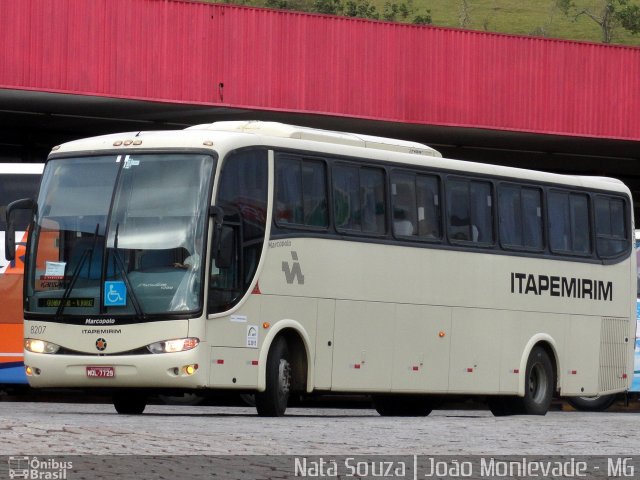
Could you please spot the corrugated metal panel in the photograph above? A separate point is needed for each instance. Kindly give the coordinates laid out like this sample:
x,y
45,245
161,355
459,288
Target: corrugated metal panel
x,y
181,51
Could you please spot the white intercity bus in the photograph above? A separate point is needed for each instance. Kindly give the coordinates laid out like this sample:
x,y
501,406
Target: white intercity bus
x,y
272,259
17,180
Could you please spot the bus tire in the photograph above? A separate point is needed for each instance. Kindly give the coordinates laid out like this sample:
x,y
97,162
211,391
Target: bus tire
x,y
129,403
592,404
401,406
273,401
539,384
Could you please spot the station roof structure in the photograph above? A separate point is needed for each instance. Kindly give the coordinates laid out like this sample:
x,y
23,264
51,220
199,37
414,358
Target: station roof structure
x,y
74,68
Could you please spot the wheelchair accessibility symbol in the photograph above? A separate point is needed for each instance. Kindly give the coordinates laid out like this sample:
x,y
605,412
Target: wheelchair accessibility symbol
x,y
115,294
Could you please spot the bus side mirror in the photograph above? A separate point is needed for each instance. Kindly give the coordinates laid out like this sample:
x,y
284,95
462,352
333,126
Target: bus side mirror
x,y
10,232
224,252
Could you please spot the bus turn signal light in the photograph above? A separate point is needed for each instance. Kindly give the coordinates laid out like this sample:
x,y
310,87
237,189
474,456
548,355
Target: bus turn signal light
x,y
190,369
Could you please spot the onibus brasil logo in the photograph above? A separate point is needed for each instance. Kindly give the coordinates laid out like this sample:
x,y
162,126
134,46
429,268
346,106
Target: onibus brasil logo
x,y
38,469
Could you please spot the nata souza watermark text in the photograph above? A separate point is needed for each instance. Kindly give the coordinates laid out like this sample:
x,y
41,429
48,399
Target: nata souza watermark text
x,y
350,467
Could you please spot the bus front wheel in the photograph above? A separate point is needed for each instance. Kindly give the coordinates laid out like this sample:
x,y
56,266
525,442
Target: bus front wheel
x,y
129,403
273,401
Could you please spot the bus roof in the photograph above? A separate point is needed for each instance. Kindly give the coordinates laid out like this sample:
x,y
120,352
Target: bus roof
x,y
275,129
230,135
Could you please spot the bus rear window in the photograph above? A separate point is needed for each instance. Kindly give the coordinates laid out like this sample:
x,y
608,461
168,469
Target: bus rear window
x,y
611,229
15,187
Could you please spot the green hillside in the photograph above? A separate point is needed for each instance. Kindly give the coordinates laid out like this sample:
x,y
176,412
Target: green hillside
x,y
522,17
540,18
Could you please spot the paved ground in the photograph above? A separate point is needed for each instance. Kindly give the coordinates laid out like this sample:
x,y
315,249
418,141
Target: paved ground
x,y
74,429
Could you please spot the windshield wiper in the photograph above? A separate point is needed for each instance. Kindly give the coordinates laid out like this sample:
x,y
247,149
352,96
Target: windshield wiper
x,y
76,273
123,272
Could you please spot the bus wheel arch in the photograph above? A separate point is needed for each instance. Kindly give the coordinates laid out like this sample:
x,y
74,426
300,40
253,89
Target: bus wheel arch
x,y
299,359
289,343
548,345
538,383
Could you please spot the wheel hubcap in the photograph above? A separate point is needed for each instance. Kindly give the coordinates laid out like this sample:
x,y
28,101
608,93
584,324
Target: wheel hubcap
x,y
538,383
284,379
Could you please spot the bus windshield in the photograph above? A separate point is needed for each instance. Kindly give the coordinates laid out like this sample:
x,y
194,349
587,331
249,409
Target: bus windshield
x,y
120,235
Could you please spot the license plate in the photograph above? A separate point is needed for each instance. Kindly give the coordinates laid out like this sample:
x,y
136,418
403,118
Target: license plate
x,y
101,372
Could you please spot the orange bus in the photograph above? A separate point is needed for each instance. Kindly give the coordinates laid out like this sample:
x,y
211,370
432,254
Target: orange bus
x,y
17,180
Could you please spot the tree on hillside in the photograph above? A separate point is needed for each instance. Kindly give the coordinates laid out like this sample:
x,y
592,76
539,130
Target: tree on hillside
x,y
330,7
609,15
464,13
360,9
392,11
630,18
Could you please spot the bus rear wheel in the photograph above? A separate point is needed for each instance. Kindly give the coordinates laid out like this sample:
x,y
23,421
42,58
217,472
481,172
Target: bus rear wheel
x,y
538,389
539,383
129,403
273,401
592,404
401,406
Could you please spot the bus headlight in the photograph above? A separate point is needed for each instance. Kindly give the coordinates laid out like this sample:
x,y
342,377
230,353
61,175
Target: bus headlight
x,y
40,346
172,346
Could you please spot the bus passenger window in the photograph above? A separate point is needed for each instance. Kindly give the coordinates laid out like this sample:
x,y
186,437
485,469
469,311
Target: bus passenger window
x,y
314,193
520,217
289,192
346,198
458,202
372,194
301,192
428,199
569,230
580,224
481,212
359,199
532,218
416,209
403,195
510,219
470,211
